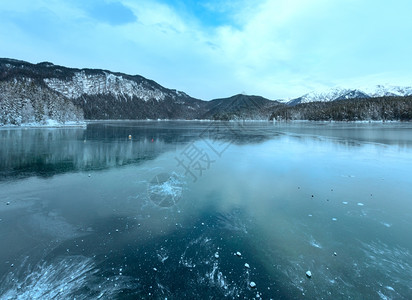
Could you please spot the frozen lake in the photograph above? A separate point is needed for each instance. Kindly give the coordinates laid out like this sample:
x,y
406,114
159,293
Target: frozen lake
x,y
156,210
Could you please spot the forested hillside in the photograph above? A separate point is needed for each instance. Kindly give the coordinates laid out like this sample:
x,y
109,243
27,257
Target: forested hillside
x,y
383,108
25,102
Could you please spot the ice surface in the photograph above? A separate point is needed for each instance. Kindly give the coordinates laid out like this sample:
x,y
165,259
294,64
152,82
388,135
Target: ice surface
x,y
63,278
165,190
315,243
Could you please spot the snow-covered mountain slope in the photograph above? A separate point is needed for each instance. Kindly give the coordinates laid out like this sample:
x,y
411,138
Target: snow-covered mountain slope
x,y
24,103
74,83
104,84
388,90
337,93
107,83
44,91
102,94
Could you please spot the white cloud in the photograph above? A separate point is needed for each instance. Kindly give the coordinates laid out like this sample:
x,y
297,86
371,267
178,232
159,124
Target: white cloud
x,y
275,48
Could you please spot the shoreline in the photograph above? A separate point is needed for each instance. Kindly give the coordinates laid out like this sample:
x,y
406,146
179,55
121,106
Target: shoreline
x,y
47,125
86,122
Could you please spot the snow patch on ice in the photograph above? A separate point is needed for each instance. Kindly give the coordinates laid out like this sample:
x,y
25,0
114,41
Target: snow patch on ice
x,y
162,255
217,279
165,190
391,261
315,243
64,278
383,296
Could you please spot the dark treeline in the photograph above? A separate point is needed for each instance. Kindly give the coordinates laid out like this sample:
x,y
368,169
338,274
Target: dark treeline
x,y
373,109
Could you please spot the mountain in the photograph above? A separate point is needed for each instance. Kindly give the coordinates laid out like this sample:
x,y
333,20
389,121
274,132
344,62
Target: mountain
x,y
48,94
387,108
95,94
99,94
389,90
24,102
335,94
239,107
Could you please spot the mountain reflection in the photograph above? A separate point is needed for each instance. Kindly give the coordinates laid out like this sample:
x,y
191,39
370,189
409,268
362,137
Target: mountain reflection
x,y
46,152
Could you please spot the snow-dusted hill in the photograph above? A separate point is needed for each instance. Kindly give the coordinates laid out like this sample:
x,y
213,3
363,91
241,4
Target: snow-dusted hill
x,y
45,93
104,84
22,102
337,93
74,83
102,94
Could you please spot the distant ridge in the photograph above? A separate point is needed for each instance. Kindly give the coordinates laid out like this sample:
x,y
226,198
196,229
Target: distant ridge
x,y
45,93
335,94
387,108
239,107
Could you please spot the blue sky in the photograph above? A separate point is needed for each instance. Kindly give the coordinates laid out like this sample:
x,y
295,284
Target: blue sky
x,y
210,49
